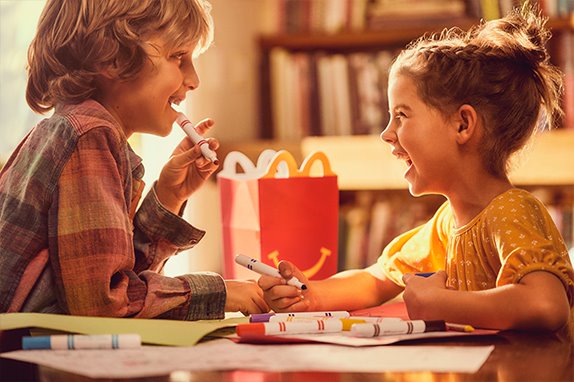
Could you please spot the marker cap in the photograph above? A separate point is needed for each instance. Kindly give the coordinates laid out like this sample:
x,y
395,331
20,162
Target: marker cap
x,y
250,330
260,317
39,342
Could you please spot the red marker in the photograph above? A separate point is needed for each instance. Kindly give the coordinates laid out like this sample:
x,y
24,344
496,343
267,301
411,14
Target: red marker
x,y
189,129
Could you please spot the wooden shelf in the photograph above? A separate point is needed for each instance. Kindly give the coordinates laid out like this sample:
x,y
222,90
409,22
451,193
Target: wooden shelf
x,y
366,163
375,40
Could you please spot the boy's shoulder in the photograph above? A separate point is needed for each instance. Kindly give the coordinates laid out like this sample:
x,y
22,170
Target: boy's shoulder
x,y
88,115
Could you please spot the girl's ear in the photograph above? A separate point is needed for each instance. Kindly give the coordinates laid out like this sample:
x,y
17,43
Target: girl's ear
x,y
109,72
467,120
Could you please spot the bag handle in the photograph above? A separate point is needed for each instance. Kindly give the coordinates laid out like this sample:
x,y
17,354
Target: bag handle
x,y
284,156
311,159
232,160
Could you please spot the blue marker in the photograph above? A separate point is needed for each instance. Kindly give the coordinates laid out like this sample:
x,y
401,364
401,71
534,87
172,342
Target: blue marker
x,y
77,341
424,274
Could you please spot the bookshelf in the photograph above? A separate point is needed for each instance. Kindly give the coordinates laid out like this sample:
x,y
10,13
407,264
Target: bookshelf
x,y
370,178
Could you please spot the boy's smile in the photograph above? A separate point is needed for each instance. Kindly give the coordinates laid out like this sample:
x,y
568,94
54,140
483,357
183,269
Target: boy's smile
x,y
145,104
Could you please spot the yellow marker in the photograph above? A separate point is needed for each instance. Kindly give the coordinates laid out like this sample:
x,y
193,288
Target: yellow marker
x,y
459,327
348,322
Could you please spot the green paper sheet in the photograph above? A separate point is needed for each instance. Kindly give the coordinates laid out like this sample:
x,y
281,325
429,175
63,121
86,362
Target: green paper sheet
x,y
152,331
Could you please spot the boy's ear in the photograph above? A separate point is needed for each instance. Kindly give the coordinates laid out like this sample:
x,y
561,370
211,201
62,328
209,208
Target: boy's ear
x,y
467,120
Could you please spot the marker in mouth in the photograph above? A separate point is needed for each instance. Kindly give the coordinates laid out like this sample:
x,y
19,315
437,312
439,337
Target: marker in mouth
x,y
192,133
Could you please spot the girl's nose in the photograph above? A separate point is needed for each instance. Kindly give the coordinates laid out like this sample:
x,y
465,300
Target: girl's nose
x,y
388,135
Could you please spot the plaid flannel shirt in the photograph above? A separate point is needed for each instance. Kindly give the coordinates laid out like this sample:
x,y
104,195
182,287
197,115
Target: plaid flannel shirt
x,y
71,240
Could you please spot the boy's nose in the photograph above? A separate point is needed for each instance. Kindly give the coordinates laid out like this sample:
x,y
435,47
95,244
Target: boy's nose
x,y
191,79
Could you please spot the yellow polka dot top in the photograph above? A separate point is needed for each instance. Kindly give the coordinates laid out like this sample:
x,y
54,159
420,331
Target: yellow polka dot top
x,y
512,236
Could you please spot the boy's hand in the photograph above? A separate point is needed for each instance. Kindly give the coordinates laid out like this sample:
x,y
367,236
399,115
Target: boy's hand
x,y
244,296
420,293
186,171
286,298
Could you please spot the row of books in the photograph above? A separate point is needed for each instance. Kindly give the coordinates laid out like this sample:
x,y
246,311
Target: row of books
x,y
336,16
318,93
328,94
369,220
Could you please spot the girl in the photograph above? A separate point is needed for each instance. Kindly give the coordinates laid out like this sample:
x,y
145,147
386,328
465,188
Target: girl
x,y
71,237
461,104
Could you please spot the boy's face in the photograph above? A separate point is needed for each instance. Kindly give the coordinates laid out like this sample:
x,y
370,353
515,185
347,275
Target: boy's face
x,y
420,136
144,104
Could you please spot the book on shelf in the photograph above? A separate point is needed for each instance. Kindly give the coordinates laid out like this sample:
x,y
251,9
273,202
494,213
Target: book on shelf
x,y
328,94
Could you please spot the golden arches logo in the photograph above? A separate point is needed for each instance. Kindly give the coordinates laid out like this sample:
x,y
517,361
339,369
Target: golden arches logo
x,y
274,256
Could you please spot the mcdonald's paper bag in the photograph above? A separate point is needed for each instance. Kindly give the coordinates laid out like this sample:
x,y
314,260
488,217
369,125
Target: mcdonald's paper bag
x,y
275,211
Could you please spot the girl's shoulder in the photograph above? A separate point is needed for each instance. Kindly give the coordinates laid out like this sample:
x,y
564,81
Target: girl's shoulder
x,y
515,201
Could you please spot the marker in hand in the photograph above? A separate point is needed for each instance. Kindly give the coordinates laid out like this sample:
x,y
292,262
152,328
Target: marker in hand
x,y
189,129
264,269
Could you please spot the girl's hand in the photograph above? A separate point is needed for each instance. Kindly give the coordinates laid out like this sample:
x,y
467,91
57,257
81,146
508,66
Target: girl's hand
x,y
287,298
244,296
186,170
421,292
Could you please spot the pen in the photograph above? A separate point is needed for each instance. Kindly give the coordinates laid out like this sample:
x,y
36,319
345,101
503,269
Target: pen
x,y
264,269
78,341
189,129
280,328
397,327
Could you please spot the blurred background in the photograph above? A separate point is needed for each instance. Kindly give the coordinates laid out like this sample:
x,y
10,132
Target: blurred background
x,y
306,75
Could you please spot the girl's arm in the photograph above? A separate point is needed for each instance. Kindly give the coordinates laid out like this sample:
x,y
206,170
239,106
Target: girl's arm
x,y
348,290
538,301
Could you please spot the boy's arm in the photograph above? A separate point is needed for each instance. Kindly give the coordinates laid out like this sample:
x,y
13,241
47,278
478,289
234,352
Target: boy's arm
x,y
92,245
538,301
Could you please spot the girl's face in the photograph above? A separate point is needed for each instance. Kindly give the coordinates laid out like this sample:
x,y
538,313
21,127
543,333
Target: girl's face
x,y
420,135
144,104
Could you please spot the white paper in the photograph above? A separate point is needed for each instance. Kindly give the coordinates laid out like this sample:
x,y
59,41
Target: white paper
x,y
224,354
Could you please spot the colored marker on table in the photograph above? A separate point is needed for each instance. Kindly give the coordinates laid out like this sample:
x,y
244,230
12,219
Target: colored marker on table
x,y
264,269
286,317
295,327
77,341
189,129
424,274
397,327
459,327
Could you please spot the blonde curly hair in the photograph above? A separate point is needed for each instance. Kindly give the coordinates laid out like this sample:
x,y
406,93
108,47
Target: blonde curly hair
x,y
76,39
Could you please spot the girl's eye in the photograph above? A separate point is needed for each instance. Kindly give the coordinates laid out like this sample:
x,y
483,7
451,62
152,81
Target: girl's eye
x,y
399,116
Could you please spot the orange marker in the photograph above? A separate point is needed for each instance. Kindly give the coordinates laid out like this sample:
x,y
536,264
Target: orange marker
x,y
294,327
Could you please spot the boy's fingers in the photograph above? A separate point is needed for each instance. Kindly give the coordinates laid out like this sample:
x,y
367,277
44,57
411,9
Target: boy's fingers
x,y
204,125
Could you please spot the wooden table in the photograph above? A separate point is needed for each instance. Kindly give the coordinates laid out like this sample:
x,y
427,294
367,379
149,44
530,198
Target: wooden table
x,y
516,357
